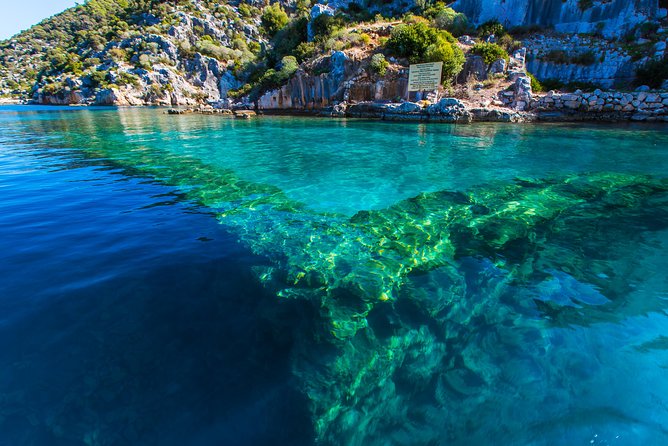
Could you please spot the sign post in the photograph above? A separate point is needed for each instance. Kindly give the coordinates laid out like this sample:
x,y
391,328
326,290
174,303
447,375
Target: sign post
x,y
424,76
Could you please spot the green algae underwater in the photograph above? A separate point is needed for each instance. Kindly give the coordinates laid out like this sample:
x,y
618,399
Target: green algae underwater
x,y
454,315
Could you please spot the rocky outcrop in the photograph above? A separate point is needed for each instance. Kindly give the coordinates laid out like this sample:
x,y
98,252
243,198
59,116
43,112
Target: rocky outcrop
x,y
345,81
447,110
609,17
607,63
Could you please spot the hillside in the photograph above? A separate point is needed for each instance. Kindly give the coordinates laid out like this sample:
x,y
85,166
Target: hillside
x,y
187,52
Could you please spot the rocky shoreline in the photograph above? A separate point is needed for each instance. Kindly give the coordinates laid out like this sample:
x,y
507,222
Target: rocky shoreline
x,y
553,107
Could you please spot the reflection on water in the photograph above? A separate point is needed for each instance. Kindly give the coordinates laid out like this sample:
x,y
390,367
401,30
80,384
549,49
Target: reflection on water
x,y
441,284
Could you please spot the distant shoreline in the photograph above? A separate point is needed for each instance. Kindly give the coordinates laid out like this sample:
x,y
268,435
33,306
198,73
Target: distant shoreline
x,y
390,112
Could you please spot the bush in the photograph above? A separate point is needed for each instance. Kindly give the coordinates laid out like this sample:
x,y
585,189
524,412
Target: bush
x,y
98,79
653,73
536,86
421,43
304,51
556,84
509,44
491,27
273,19
343,39
118,55
561,57
449,19
556,56
125,78
379,64
274,78
217,51
490,52
325,25
288,39
586,58
246,10
144,62
53,88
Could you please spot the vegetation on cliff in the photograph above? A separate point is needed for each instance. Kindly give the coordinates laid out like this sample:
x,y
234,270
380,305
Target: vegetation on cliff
x,y
191,51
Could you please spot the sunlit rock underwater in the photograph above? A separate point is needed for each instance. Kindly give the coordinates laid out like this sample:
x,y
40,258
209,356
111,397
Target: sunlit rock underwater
x,y
441,308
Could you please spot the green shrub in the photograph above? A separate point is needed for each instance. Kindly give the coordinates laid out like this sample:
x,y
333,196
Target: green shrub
x,y
379,64
288,39
421,43
556,84
274,19
490,52
144,62
536,86
343,39
556,56
509,44
561,57
98,79
217,51
552,84
118,55
304,51
274,78
491,27
53,88
448,19
586,58
245,10
325,25
653,73
125,78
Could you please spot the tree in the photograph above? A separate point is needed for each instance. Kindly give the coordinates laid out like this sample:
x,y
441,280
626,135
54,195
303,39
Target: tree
x,y
421,43
274,19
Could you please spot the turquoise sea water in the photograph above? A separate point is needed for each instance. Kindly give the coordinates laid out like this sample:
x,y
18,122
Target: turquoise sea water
x,y
200,280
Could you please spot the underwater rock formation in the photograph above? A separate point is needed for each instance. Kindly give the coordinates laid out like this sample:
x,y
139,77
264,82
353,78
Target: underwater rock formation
x,y
402,296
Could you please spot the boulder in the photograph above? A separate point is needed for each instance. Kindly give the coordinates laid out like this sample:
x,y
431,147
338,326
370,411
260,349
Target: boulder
x,y
474,67
497,67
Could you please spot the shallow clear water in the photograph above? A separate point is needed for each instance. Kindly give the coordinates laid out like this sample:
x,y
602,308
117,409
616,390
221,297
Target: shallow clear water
x,y
201,280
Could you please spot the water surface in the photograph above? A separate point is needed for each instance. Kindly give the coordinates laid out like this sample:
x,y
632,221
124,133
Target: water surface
x,y
201,280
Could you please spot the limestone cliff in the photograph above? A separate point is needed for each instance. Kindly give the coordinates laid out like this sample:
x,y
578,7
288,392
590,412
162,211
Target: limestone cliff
x,y
609,17
346,80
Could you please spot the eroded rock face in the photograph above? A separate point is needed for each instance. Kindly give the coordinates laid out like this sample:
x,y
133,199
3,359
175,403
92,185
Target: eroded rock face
x,y
474,68
344,82
205,72
611,17
611,66
64,97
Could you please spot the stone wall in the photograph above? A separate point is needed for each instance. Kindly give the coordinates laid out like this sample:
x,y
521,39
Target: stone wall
x,y
636,106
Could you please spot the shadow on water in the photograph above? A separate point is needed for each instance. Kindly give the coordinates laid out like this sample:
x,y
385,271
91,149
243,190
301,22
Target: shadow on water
x,y
175,356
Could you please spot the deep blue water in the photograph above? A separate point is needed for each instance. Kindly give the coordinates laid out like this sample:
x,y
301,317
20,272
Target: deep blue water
x,y
146,258
128,315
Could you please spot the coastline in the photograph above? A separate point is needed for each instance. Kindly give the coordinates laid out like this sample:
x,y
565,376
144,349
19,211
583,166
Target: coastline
x,y
448,110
